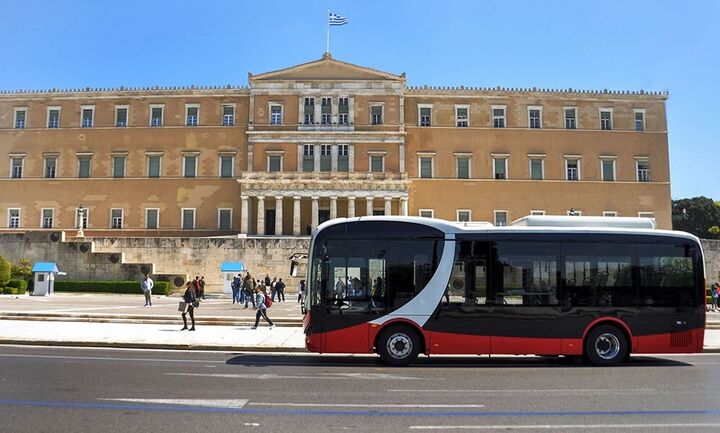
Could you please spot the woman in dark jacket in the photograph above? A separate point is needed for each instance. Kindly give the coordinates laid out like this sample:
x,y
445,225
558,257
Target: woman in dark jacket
x,y
190,302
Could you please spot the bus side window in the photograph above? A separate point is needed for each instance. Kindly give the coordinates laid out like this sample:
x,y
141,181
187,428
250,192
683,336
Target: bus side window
x,y
666,276
468,280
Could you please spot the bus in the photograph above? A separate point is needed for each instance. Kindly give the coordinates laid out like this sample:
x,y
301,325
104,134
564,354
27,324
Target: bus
x,y
597,287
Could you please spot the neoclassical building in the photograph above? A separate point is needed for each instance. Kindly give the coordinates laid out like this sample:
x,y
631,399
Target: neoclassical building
x,y
320,140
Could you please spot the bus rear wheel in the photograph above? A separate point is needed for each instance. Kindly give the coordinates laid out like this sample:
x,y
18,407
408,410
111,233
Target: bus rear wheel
x,y
398,345
606,345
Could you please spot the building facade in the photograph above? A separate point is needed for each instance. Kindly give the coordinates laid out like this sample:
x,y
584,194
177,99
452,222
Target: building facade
x,y
321,140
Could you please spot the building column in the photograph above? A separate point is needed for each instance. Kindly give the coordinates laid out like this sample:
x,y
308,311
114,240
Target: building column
x,y
261,215
278,216
402,157
296,215
334,158
318,109
351,111
351,157
300,151
245,216
404,206
333,207
315,207
369,205
388,205
316,156
351,207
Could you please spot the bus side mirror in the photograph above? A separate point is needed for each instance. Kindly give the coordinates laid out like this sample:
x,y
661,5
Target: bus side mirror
x,y
293,268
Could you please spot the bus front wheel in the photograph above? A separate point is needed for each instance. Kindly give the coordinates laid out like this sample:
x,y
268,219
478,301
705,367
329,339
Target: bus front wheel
x,y
398,345
606,345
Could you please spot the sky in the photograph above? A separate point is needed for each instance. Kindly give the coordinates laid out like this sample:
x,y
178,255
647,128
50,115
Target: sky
x,y
658,45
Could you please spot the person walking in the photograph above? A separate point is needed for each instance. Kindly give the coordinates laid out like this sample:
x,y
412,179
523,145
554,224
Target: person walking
x,y
235,287
301,291
146,285
249,289
196,284
201,288
273,289
191,302
267,282
260,298
715,294
280,289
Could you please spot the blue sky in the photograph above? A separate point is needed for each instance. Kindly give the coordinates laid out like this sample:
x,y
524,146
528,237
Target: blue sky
x,y
601,44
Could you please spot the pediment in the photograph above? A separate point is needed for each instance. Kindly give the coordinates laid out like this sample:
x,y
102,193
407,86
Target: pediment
x,y
328,69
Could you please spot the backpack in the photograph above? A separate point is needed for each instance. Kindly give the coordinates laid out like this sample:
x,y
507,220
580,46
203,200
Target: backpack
x,y
268,301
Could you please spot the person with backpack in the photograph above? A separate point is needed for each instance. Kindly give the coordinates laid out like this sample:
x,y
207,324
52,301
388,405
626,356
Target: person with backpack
x,y
249,289
280,289
263,302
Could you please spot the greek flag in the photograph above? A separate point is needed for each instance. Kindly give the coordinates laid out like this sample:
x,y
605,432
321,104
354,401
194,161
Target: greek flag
x,y
336,20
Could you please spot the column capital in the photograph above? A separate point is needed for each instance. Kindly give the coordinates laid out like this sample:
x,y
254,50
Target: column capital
x,y
297,197
315,197
333,197
261,198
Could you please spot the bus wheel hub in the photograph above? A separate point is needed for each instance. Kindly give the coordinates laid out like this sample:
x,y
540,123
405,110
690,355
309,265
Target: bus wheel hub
x,y
399,345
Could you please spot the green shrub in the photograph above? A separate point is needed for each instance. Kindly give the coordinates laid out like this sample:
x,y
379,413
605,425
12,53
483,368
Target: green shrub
x,y
21,270
4,271
130,287
11,291
21,285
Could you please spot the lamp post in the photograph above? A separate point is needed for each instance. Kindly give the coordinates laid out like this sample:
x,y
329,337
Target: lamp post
x,y
80,218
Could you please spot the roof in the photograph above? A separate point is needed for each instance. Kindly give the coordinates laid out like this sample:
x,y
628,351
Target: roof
x,y
45,267
326,68
232,267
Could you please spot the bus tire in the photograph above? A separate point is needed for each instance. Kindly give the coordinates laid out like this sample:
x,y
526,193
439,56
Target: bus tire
x,y
398,345
606,345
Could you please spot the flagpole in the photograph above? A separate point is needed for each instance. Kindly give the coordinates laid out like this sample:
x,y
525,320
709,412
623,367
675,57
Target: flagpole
x,y
327,48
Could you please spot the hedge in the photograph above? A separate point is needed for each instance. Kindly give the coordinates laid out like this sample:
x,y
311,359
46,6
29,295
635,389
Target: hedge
x,y
18,284
12,291
131,287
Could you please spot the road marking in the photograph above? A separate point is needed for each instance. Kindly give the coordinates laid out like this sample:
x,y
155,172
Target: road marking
x,y
337,376
371,376
236,404
559,426
389,406
103,358
531,391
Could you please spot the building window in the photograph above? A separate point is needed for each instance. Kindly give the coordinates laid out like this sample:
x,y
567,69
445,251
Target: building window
x,y
643,170
228,112
462,116
274,163
498,116
570,117
227,164
154,165
343,158
188,219
376,114
118,166
87,115
377,163
463,167
646,215
427,213
537,169
47,218
605,119
276,114
343,110
501,218
639,120
192,113
82,217
572,169
116,218
121,116
84,166
20,118
535,117
500,168
325,157
14,218
326,111
609,213
309,111
50,167
16,167
189,166
464,215
573,212
607,167
53,117
425,112
426,167
224,219
152,219
156,115
537,212
308,157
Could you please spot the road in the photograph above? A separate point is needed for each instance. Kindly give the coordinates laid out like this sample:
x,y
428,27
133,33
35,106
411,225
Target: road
x,y
44,389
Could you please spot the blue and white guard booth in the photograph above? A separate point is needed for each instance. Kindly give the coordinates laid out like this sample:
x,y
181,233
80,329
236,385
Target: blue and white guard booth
x,y
44,278
229,271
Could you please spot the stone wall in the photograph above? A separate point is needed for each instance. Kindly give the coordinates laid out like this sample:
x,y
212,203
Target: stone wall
x,y
711,248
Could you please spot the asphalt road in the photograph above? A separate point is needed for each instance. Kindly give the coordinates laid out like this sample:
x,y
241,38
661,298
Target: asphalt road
x,y
45,389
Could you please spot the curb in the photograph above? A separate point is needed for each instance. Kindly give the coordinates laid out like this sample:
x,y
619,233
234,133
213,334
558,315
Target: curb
x,y
203,347
163,320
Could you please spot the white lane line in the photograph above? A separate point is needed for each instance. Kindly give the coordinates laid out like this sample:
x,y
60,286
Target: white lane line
x,y
389,405
371,376
561,426
102,358
529,391
184,402
271,376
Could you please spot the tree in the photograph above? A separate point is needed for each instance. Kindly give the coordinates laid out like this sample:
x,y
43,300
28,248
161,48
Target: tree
x,y
4,271
697,215
22,269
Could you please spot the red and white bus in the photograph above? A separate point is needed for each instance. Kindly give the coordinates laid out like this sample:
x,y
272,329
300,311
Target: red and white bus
x,y
598,287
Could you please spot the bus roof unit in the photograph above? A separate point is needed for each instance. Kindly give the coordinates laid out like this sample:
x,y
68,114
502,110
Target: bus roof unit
x,y
584,221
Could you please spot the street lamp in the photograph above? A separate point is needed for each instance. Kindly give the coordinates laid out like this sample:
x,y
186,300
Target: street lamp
x,y
80,218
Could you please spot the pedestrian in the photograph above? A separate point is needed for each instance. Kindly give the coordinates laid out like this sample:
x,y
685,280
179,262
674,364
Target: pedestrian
x,y
267,282
196,284
273,289
191,302
280,289
201,286
235,287
146,285
715,294
301,291
249,290
260,301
